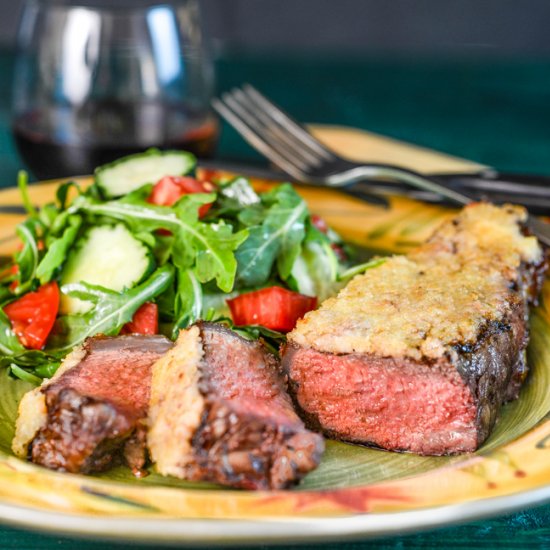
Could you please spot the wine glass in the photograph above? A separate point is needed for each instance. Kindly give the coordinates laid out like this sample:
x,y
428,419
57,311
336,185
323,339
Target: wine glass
x,y
99,80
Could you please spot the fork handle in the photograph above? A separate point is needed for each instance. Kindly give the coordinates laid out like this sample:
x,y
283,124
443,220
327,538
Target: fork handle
x,y
400,175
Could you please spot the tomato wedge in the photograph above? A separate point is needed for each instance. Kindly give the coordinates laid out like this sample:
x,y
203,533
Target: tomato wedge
x,y
275,308
169,189
145,320
33,315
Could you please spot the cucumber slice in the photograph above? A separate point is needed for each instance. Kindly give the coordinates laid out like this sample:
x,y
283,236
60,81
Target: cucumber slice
x,y
106,255
129,173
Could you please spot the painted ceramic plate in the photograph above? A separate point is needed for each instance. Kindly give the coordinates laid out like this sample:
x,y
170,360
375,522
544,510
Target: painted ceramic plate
x,y
356,492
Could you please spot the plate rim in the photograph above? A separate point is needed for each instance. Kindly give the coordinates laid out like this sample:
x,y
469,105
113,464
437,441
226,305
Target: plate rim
x,y
191,531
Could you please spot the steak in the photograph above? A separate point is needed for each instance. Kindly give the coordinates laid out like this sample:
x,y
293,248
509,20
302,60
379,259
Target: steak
x,y
420,353
91,414
220,412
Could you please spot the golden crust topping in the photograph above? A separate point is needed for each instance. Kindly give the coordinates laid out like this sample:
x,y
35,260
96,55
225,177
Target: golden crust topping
x,y
442,293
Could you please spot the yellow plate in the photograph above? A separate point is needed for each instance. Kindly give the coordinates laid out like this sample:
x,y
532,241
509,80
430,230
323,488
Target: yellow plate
x,y
356,492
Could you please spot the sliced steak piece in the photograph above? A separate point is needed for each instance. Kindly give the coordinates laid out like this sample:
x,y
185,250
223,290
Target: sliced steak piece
x,y
90,415
220,412
420,353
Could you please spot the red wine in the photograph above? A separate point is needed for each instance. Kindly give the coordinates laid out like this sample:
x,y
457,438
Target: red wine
x,y
61,142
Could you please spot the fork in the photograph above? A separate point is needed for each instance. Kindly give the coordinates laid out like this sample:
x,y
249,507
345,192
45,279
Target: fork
x,y
291,147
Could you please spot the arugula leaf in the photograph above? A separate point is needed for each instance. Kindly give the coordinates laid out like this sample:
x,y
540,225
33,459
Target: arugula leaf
x,y
208,247
234,198
22,374
188,301
252,215
139,195
5,295
60,222
279,238
111,310
53,216
62,193
294,235
47,368
162,248
165,303
146,238
48,214
315,272
22,183
257,255
9,343
140,216
217,260
361,268
271,339
27,257
57,251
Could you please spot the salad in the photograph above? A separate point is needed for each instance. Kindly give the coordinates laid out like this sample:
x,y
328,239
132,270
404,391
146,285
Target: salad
x,y
148,248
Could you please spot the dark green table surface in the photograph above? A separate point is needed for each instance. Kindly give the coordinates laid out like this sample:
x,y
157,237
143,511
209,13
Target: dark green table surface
x,y
494,111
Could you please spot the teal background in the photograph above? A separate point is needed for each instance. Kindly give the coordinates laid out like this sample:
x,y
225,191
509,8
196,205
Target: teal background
x,y
493,111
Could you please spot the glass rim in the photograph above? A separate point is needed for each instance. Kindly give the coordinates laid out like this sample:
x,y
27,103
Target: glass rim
x,y
108,6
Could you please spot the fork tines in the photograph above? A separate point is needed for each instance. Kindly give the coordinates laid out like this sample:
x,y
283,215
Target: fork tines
x,y
271,131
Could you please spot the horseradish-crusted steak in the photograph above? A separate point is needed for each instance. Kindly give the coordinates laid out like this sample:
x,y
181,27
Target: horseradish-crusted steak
x,y
90,415
220,412
419,353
